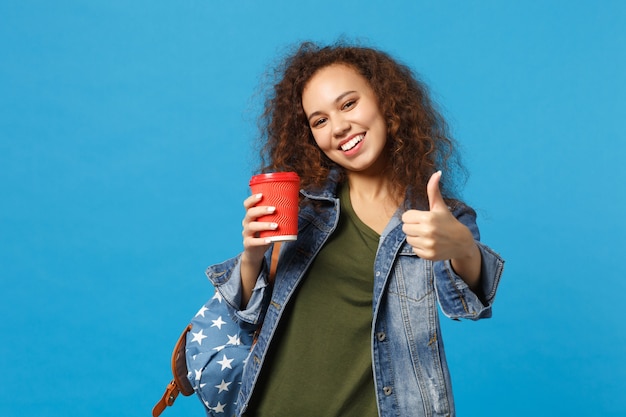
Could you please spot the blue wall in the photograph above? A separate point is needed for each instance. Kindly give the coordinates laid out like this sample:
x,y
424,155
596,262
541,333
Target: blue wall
x,y
125,148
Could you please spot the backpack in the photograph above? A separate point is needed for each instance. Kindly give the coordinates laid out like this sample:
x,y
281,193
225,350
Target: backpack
x,y
209,357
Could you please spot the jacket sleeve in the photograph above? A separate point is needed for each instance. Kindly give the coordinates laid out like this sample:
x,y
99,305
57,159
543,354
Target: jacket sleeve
x,y
455,297
226,278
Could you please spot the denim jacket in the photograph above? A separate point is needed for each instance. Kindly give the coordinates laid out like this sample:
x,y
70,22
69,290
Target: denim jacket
x,y
411,375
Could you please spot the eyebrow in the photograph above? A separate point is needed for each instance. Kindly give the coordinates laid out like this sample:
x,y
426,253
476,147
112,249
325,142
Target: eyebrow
x,y
337,100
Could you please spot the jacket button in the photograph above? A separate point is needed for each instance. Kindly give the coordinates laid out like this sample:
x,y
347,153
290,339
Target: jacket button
x,y
387,390
381,336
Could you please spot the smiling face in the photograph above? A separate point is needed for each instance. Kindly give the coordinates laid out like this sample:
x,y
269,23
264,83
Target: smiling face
x,y
345,119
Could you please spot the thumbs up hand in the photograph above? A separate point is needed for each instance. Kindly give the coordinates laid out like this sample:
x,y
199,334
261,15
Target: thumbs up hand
x,y
436,234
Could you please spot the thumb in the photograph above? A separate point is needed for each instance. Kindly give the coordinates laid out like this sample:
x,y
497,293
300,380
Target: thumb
x,y
435,199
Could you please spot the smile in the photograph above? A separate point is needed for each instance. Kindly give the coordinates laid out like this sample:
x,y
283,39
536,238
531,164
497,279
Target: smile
x,y
352,142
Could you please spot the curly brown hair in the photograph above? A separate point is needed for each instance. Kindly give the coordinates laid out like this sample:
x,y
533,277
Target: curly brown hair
x,y
417,134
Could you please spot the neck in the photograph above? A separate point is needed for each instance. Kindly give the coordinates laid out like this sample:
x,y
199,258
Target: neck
x,y
372,188
372,200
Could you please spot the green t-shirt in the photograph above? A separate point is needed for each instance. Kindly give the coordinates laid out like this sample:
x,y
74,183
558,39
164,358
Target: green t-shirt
x,y
320,361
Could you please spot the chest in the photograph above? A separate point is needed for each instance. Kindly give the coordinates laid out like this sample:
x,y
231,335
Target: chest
x,y
374,213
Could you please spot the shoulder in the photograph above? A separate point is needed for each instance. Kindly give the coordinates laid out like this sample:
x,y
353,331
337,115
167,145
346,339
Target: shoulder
x,y
459,208
465,214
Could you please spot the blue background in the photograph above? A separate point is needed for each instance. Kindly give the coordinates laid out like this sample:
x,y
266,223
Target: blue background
x,y
125,149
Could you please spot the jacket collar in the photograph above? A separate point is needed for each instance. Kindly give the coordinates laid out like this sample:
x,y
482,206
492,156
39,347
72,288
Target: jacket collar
x,y
329,190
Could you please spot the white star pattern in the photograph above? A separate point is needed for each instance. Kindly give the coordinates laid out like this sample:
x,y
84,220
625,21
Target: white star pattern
x,y
218,323
220,342
223,386
219,408
234,340
226,363
197,337
201,311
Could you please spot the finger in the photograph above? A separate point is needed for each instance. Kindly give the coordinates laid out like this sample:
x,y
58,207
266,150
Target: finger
x,y
435,199
411,229
419,230
251,233
254,212
253,228
255,242
421,247
414,216
255,246
252,200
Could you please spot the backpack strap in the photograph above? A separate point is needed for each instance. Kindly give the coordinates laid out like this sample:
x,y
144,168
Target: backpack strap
x,y
180,384
274,262
270,279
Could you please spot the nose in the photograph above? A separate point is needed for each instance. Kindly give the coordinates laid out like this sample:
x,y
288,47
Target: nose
x,y
340,127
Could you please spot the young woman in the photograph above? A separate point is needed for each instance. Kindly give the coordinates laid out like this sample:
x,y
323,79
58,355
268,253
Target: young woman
x,y
350,327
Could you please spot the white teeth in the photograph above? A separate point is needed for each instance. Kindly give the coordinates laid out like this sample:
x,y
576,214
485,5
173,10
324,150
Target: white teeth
x,y
352,143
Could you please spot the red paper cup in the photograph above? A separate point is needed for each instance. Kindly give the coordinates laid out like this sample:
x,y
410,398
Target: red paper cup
x,y
281,190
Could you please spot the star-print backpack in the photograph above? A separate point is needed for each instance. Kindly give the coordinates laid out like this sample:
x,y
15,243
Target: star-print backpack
x,y
209,356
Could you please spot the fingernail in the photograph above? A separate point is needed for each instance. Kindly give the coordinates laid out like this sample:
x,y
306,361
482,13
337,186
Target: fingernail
x,y
274,225
271,209
268,240
258,196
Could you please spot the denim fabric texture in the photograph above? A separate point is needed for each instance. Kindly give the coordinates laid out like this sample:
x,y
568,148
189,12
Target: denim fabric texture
x,y
410,369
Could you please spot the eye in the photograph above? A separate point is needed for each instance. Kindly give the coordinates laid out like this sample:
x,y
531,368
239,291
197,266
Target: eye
x,y
348,105
318,122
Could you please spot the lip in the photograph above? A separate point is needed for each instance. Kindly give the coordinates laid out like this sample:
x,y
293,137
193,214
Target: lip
x,y
348,139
